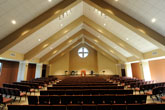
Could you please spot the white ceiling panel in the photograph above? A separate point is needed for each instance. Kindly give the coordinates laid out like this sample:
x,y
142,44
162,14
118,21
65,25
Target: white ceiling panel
x,y
65,48
48,30
118,29
22,11
108,42
144,11
103,49
57,43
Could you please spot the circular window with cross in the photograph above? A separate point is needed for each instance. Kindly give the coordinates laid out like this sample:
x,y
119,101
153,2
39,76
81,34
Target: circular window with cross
x,y
83,52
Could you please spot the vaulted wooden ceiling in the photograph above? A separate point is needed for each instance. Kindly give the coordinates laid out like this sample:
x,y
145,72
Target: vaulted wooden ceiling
x,y
68,23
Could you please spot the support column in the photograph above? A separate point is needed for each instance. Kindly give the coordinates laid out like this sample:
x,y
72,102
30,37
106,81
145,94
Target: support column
x,y
118,69
38,73
146,70
22,71
128,69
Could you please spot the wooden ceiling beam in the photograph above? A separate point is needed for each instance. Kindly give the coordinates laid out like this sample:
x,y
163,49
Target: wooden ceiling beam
x,y
112,38
94,46
34,25
62,45
64,51
131,23
53,38
105,46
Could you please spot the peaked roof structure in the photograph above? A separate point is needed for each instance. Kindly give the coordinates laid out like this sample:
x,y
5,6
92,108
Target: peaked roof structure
x,y
67,23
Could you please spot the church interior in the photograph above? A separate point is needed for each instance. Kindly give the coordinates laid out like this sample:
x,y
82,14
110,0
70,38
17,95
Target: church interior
x,y
82,54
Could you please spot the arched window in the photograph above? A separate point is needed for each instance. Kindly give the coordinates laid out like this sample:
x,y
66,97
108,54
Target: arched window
x,y
83,52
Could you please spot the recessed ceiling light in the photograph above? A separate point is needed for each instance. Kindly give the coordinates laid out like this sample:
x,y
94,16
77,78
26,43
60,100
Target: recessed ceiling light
x,y
127,38
61,25
49,0
104,24
13,22
96,40
153,20
39,39
99,12
116,0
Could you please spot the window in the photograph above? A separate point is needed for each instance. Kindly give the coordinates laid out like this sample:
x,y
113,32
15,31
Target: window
x,y
83,52
0,68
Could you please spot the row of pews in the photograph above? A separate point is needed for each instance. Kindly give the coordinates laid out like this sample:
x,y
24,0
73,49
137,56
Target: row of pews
x,y
88,93
10,92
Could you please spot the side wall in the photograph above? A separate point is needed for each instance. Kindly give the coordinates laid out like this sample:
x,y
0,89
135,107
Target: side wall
x,y
9,72
157,69
136,70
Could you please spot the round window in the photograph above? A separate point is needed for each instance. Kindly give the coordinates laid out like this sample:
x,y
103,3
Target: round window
x,y
83,52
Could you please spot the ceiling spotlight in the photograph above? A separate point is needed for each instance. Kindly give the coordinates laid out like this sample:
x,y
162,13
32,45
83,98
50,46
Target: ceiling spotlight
x,y
13,22
99,12
39,40
153,20
127,38
104,24
116,0
61,25
49,0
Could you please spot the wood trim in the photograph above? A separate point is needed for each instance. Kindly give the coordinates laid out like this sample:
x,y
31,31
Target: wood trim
x,y
104,45
53,38
62,45
94,46
36,24
64,51
112,37
131,23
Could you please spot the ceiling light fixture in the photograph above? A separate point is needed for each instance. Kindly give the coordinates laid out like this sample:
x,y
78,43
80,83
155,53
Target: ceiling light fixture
x,y
49,0
104,24
153,20
116,0
127,38
67,13
61,25
13,22
39,40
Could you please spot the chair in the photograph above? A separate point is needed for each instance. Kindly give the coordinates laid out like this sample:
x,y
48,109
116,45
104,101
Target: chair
x,y
74,107
137,107
58,107
44,100
103,107
89,107
118,107
33,100
18,107
4,100
19,94
54,100
39,107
